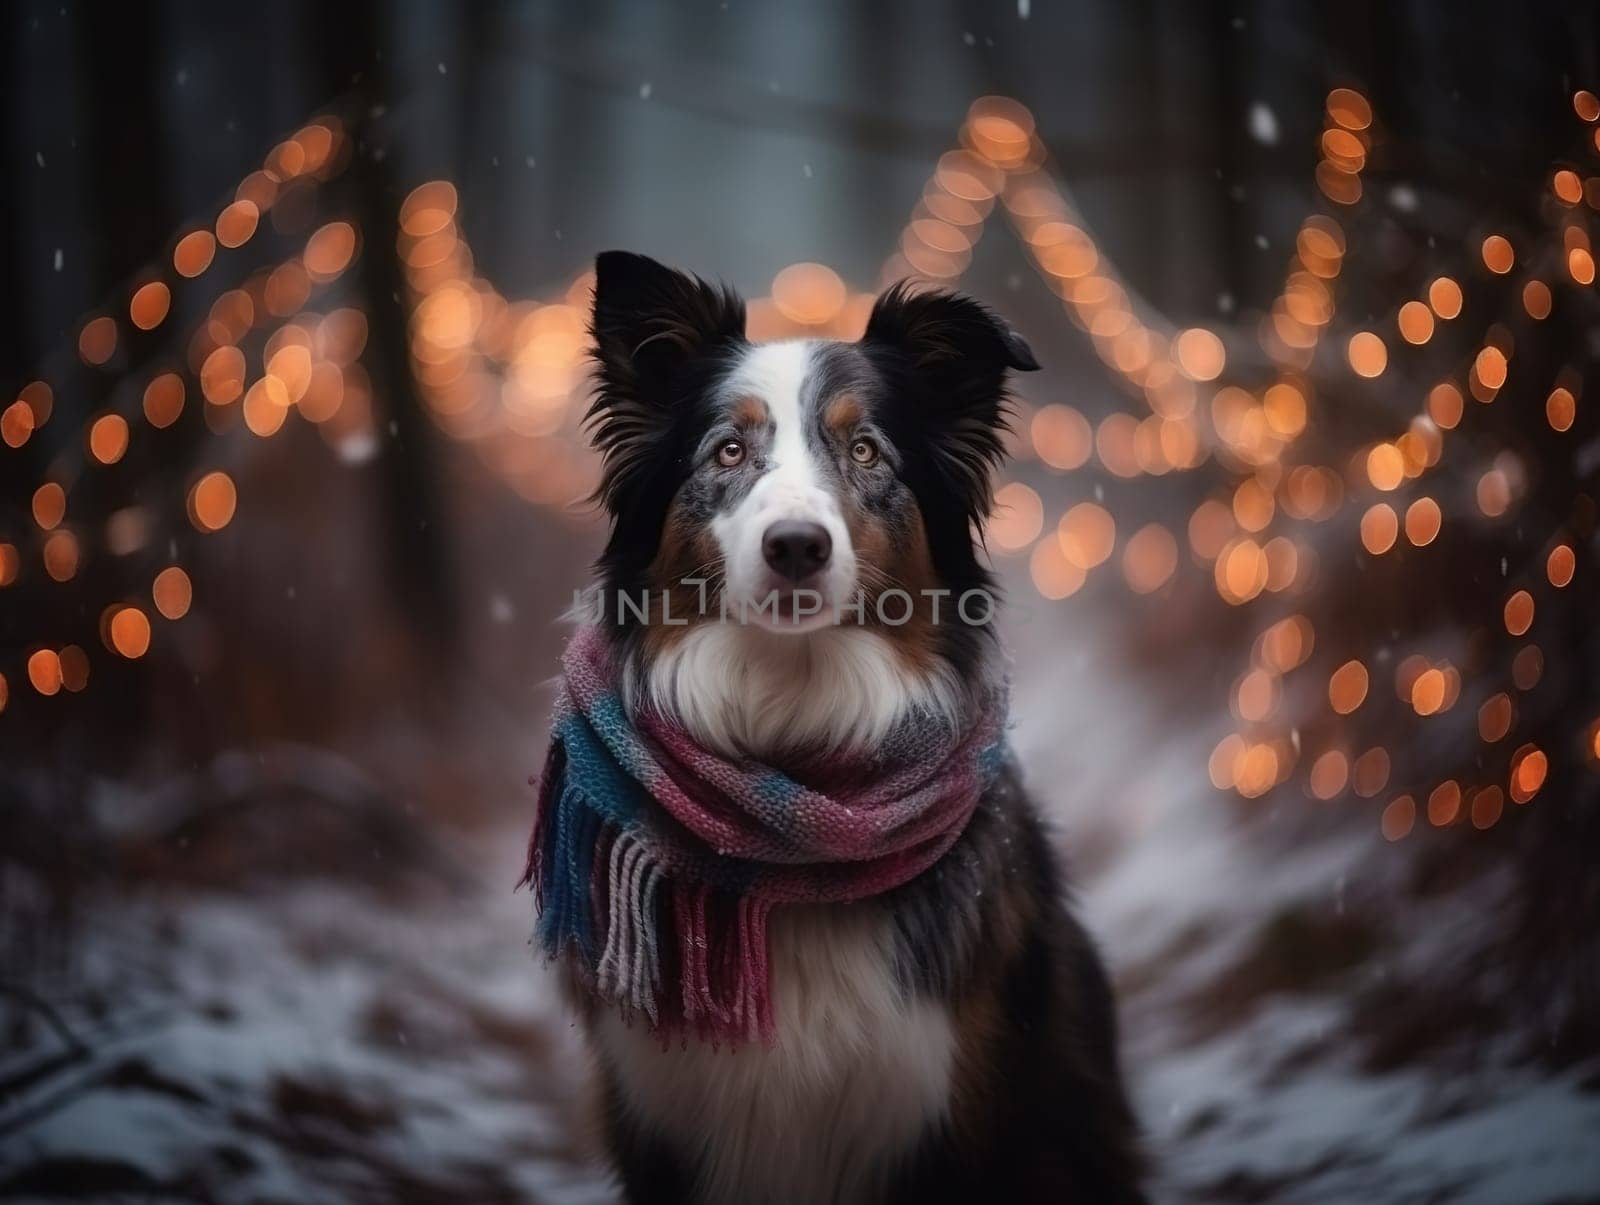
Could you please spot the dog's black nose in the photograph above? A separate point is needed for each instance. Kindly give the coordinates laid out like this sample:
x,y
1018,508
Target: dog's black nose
x,y
796,549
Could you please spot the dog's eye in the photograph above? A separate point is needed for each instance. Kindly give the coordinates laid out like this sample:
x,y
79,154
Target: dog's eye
x,y
730,454
864,451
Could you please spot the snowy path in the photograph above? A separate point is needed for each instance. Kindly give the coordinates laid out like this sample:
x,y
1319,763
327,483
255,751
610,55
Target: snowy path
x,y
288,1040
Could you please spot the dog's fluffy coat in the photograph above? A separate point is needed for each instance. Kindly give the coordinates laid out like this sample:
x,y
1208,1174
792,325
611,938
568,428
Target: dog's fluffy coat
x,y
953,1039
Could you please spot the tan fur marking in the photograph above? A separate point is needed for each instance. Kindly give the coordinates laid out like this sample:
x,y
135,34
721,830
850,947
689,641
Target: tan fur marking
x,y
842,413
686,551
749,412
907,565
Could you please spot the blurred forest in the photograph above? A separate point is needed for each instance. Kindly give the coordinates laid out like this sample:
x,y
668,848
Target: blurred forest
x,y
1299,541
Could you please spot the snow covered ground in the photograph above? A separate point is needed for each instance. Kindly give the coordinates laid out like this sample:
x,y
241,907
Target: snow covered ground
x,y
236,1023
1256,1091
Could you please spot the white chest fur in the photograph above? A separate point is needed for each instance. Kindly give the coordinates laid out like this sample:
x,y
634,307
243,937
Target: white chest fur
x,y
857,1073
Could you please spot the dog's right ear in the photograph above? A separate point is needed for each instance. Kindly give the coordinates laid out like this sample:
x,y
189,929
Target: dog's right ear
x,y
650,323
650,319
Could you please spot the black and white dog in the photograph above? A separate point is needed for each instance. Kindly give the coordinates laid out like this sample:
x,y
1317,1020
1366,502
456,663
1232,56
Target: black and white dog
x,y
953,1040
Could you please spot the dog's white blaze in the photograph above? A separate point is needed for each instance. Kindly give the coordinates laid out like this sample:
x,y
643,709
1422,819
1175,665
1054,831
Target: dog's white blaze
x,y
858,1073
793,487
776,373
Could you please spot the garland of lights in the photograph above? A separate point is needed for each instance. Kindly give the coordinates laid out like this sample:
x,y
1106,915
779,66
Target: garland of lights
x,y
507,377
308,363
1254,767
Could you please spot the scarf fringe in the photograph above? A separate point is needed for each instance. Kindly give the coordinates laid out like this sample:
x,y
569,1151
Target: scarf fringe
x,y
724,978
602,894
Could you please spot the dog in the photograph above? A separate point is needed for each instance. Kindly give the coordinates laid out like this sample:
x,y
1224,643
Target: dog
x,y
952,1039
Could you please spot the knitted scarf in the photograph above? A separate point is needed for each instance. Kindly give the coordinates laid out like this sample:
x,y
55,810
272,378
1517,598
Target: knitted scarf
x,y
655,863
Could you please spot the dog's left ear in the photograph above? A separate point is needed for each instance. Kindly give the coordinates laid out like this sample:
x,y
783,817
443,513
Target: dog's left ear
x,y
950,355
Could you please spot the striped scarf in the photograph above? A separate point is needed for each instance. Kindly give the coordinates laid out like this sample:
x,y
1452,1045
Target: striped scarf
x,y
655,863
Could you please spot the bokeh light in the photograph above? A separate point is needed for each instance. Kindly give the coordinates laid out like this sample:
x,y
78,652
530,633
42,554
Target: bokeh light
x,y
1495,717
97,340
1398,818
1061,437
1519,613
1423,519
1560,409
237,223
1560,565
1367,354
1087,535
1150,558
61,555
1529,766
172,592
1370,774
74,663
129,632
163,399
16,424
1498,255
1487,806
108,438
811,294
1054,576
1445,296
149,305
1018,517
1379,528
1444,804
211,502
1200,354
44,671
49,505
193,253
330,250
1416,322
1347,688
